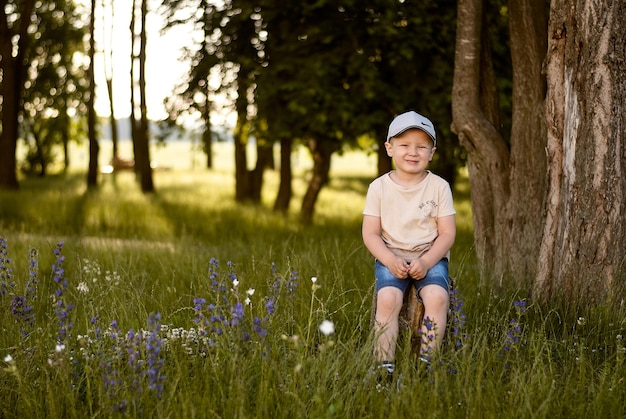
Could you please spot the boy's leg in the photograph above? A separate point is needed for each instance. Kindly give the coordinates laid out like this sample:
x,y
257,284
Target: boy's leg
x,y
388,306
436,301
433,290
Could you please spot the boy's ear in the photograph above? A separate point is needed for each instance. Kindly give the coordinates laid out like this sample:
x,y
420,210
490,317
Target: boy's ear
x,y
388,147
432,153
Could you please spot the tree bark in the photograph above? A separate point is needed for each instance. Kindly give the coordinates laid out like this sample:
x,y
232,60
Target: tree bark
x,y
264,160
94,148
528,23
384,161
207,133
240,137
321,152
488,156
583,247
283,197
141,134
13,68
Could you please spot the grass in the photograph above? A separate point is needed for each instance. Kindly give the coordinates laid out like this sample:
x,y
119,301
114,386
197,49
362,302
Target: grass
x,y
143,285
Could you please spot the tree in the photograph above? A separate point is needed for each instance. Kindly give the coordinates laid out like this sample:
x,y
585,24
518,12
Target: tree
x,y
43,83
13,64
195,96
109,72
94,147
583,247
54,87
338,73
140,129
515,214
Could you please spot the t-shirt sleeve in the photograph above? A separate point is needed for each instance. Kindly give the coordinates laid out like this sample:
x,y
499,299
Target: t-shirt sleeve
x,y
372,199
446,203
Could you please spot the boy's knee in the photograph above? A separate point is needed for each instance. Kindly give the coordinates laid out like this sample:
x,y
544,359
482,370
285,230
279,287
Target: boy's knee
x,y
389,299
435,296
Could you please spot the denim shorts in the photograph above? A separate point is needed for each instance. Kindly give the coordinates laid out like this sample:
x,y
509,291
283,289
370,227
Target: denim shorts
x,y
437,275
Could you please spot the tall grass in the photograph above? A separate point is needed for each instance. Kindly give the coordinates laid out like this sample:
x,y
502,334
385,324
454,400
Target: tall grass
x,y
185,304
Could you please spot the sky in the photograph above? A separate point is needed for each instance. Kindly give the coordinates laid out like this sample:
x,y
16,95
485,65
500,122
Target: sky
x,y
164,69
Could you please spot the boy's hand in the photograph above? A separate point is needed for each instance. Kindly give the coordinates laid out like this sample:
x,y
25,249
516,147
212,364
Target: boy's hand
x,y
417,269
399,268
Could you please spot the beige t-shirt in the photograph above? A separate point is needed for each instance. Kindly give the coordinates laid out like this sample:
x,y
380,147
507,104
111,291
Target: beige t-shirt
x,y
408,215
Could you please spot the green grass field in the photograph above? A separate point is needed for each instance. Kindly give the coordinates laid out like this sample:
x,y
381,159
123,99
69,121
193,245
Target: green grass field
x,y
184,304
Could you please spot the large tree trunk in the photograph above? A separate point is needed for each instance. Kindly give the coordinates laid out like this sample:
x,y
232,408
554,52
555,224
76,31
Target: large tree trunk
x,y
473,122
285,188
507,186
528,23
12,68
583,248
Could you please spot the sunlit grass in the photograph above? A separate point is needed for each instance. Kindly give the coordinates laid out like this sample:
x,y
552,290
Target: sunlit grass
x,y
130,256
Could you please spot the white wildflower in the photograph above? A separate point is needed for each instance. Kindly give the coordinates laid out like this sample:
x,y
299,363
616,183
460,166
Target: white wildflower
x,y
59,348
327,327
314,279
8,359
247,301
82,288
250,291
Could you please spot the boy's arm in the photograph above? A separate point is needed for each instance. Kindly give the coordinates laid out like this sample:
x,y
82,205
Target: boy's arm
x,y
446,233
373,241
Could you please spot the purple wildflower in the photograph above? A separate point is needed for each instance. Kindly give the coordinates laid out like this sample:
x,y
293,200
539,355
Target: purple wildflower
x,y
457,318
6,273
62,308
154,360
514,333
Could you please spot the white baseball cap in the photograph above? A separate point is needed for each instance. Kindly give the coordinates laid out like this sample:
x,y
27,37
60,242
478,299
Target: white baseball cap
x,y
411,119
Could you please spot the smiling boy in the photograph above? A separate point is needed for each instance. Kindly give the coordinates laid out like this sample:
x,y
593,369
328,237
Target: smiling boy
x,y
409,227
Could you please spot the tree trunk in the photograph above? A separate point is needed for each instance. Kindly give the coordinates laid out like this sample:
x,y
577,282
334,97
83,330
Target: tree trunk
x,y
507,186
384,161
147,184
108,74
40,152
264,160
472,114
321,152
12,68
207,133
285,189
94,148
528,24
583,247
241,158
141,135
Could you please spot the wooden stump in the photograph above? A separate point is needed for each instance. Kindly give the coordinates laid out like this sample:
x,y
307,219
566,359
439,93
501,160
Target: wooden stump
x,y
410,317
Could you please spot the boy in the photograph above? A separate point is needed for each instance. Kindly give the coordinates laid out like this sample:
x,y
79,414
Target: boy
x,y
409,227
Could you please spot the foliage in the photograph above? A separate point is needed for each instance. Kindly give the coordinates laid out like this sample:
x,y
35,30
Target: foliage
x,y
147,282
54,83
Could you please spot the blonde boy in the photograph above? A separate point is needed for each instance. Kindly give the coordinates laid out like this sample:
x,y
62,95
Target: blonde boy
x,y
409,227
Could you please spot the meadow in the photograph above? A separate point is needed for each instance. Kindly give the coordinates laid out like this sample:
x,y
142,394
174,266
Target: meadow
x,y
185,304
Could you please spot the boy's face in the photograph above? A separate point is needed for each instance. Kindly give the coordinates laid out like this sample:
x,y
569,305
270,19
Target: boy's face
x,y
411,151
